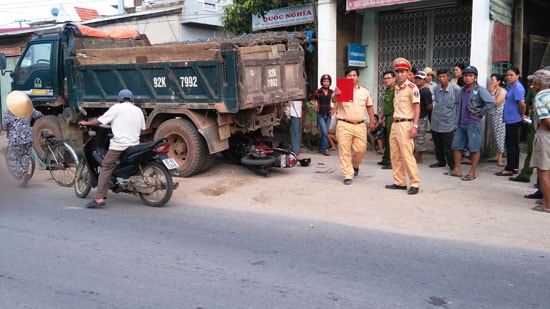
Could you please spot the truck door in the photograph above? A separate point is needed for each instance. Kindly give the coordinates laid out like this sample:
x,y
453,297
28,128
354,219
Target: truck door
x,y
34,73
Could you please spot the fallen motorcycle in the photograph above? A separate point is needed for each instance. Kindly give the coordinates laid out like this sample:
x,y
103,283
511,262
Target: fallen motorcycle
x,y
144,170
260,158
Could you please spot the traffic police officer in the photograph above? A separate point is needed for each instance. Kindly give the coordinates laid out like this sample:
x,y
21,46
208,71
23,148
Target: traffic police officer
x,y
351,130
404,128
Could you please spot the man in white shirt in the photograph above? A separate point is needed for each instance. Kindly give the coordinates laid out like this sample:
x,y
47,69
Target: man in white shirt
x,y
126,121
293,113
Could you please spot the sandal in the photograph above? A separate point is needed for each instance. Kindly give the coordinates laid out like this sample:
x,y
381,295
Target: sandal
x,y
541,209
468,178
450,173
24,180
326,152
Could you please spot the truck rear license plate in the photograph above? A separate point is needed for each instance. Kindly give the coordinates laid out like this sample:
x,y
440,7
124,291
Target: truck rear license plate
x,y
170,163
283,160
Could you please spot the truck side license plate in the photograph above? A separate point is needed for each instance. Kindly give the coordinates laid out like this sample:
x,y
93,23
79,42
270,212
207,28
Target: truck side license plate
x,y
170,163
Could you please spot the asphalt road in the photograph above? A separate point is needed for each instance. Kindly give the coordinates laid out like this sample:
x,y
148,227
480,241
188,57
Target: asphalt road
x,y
57,255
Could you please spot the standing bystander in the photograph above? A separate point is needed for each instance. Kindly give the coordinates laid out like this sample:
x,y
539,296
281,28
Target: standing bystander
x,y
411,74
429,80
541,143
293,113
321,98
405,124
498,129
513,114
351,130
443,122
458,78
426,104
430,75
474,102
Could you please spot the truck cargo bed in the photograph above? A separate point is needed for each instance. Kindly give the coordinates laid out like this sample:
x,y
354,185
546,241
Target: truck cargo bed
x,y
210,75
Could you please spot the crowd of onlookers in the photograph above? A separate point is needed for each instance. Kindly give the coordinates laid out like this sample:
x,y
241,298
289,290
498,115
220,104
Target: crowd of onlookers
x,y
452,106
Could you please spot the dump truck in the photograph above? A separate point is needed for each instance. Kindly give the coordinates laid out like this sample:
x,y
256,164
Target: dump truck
x,y
205,97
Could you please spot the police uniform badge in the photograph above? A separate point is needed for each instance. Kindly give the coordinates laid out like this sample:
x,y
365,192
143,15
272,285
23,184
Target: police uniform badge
x,y
415,93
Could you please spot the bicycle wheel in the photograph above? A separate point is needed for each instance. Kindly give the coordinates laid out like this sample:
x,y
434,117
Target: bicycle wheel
x,y
32,164
83,181
61,161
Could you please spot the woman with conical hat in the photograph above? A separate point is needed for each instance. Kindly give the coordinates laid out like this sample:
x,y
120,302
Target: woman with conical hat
x,y
17,122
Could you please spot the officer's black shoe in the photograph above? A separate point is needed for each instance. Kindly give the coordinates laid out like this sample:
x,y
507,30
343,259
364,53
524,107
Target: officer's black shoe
x,y
412,190
394,187
536,195
519,179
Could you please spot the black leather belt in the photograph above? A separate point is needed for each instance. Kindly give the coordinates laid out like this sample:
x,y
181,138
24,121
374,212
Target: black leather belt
x,y
402,120
344,120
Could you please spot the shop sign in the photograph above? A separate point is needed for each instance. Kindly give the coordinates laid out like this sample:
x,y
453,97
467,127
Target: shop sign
x,y
11,51
365,4
283,17
357,55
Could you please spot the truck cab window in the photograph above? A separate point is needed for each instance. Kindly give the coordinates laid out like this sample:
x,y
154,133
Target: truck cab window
x,y
37,57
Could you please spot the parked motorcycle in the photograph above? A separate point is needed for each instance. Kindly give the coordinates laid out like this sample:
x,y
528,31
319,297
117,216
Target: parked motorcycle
x,y
143,170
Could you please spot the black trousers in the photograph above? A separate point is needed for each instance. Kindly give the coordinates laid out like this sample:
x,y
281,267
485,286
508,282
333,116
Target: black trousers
x,y
443,151
511,142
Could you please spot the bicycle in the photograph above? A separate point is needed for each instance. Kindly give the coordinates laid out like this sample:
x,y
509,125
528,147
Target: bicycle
x,y
59,158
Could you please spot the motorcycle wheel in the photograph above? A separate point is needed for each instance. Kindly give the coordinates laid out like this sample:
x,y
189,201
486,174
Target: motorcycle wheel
x,y
82,180
156,175
250,160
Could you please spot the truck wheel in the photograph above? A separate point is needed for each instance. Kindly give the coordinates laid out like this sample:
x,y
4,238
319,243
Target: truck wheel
x,y
209,162
187,145
49,124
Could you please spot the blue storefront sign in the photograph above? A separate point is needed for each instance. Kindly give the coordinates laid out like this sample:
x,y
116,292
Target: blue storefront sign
x,y
357,55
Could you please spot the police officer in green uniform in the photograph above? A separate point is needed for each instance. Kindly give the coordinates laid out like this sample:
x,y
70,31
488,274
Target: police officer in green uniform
x,y
387,116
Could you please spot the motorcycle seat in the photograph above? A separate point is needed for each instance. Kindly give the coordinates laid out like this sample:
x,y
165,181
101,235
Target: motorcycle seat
x,y
134,151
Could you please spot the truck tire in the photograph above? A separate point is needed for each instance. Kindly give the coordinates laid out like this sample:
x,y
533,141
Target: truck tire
x,y
49,124
187,147
209,162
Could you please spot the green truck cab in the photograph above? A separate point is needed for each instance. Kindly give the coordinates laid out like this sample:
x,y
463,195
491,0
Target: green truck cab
x,y
203,96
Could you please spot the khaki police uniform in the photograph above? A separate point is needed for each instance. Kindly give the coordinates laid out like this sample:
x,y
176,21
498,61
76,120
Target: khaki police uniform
x,y
351,130
401,144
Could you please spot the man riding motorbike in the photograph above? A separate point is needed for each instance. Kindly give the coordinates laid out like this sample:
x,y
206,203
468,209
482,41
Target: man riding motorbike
x,y
126,122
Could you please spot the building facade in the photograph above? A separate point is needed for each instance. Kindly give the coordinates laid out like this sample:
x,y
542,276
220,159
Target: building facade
x,y
489,34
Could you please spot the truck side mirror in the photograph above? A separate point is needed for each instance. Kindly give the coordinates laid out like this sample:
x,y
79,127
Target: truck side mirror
x,y
2,62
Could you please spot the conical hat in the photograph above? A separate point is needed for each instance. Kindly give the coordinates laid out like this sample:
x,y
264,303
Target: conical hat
x,y
19,104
